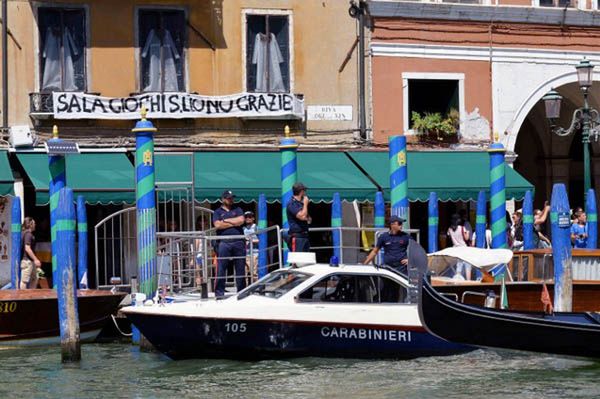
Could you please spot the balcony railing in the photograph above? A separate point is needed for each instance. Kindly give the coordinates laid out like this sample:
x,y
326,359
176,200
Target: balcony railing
x,y
40,104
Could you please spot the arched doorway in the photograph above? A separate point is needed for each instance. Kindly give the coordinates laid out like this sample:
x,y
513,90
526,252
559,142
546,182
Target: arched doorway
x,y
545,158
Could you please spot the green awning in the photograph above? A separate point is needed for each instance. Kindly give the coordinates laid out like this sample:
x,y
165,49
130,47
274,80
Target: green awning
x,y
173,167
453,175
6,177
102,178
249,174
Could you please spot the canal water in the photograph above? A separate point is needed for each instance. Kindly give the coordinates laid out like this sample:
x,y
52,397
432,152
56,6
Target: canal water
x,y
121,371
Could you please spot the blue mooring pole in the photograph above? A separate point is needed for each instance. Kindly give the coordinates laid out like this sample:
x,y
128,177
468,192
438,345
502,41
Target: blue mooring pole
x,y
528,242
15,249
480,220
560,221
592,219
433,221
66,285
497,195
336,223
398,177
262,237
58,180
379,222
82,242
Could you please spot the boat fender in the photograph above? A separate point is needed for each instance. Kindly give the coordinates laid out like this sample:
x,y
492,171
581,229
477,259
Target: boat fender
x,y
137,298
148,302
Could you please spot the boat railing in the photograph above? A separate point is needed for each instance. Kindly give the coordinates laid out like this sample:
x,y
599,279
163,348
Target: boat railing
x,y
475,293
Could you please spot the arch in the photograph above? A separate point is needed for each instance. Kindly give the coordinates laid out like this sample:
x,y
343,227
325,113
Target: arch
x,y
512,131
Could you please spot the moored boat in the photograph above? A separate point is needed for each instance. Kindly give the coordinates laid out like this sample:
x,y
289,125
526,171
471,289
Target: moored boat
x,y
575,334
30,317
317,310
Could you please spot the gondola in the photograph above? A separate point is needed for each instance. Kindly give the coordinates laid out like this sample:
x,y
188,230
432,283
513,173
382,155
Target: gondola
x,y
575,334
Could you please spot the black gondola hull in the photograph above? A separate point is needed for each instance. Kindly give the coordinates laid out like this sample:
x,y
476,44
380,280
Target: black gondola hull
x,y
575,334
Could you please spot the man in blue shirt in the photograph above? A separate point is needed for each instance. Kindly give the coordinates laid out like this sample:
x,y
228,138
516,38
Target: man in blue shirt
x,y
298,219
395,246
228,220
579,230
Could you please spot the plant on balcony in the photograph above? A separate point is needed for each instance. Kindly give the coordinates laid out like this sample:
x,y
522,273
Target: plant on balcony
x,y
434,125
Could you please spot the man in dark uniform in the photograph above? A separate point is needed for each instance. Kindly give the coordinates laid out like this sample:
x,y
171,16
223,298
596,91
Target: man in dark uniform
x,y
229,220
395,246
298,219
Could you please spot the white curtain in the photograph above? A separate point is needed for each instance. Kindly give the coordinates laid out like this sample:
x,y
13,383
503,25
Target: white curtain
x,y
267,62
51,79
152,49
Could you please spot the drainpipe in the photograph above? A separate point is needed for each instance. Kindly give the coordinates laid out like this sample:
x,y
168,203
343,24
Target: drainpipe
x,y
358,11
4,66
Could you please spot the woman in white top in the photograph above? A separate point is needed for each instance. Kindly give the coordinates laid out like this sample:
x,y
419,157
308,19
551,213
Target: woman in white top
x,y
460,237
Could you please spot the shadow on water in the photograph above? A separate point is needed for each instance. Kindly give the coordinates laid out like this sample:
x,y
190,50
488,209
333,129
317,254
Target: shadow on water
x,y
122,371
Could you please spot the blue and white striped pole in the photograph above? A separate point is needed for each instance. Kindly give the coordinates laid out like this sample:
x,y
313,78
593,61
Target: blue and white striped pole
x,y
480,220
336,223
398,176
560,221
433,221
262,237
15,249
379,222
497,195
528,241
82,242
58,180
592,219
66,286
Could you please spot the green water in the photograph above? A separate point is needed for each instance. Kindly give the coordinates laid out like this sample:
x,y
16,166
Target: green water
x,y
121,371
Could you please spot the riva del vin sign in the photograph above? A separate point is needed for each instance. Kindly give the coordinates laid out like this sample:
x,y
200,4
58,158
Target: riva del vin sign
x,y
74,105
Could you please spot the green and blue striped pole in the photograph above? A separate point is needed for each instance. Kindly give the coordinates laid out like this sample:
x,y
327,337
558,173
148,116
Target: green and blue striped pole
x,y
145,196
66,272
262,237
15,249
592,219
58,180
379,222
82,242
528,241
289,175
497,195
433,221
398,176
336,223
560,221
480,220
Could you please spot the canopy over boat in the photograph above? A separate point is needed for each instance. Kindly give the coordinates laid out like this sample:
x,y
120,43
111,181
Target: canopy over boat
x,y
484,259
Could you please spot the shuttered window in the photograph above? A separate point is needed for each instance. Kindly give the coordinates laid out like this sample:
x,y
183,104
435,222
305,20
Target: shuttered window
x,y
162,50
267,53
62,49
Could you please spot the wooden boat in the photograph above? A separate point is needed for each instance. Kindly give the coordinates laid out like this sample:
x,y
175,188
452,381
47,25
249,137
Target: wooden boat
x,y
530,270
575,334
30,317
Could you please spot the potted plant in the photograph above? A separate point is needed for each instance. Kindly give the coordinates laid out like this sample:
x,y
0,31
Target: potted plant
x,y
435,126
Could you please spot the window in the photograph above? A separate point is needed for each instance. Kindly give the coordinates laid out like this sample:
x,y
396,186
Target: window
x,y
267,53
276,284
162,44
348,288
557,3
427,96
62,49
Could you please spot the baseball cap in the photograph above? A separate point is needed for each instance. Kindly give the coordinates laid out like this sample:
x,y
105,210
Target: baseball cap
x,y
396,219
248,213
227,194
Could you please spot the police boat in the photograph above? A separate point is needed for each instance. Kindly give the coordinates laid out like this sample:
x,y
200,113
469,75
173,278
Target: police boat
x,y
351,311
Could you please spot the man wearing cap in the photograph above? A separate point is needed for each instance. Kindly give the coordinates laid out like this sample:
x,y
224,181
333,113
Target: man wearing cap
x,y
395,246
298,219
228,220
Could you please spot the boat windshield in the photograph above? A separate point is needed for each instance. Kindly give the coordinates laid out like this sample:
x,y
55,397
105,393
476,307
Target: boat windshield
x,y
276,284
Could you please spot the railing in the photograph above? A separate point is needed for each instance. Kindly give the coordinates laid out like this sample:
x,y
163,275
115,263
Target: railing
x,y
40,103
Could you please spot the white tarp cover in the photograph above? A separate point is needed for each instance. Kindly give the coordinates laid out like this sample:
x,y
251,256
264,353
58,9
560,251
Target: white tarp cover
x,y
77,105
478,257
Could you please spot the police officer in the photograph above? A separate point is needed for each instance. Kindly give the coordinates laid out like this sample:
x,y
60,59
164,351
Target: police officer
x,y
395,245
298,219
229,221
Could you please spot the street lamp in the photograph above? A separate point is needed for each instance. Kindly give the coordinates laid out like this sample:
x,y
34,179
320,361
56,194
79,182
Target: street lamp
x,y
586,118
